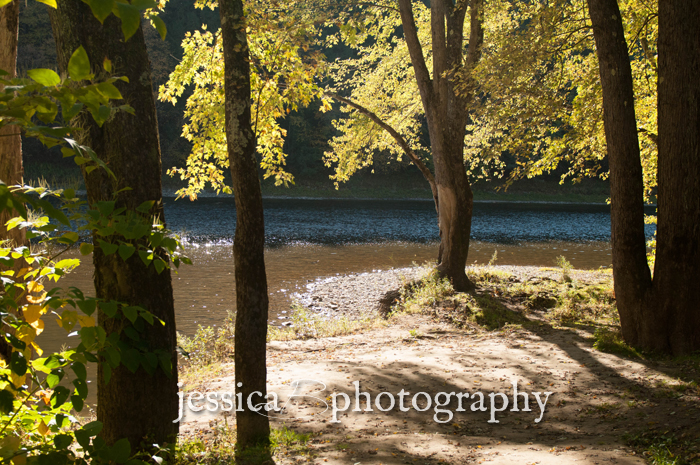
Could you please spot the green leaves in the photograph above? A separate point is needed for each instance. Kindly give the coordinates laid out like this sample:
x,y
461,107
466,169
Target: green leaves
x,y
45,77
86,248
101,8
160,26
131,18
79,65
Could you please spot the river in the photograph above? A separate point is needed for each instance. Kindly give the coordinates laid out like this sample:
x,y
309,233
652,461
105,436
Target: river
x,y
311,239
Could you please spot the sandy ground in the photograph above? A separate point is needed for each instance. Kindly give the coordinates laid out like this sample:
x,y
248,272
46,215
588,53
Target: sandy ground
x,y
596,397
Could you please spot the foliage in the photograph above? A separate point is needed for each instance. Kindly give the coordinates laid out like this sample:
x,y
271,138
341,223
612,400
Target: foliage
x,y
565,266
539,102
36,424
607,340
36,418
378,77
284,67
220,447
35,102
542,98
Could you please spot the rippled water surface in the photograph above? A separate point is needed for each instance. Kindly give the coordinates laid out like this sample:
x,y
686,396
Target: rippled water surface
x,y
310,239
362,221
320,238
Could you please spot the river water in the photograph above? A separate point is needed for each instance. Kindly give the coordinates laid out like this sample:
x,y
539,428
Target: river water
x,y
310,239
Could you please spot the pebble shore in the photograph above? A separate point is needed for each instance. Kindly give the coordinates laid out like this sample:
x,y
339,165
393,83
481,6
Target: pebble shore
x,y
357,295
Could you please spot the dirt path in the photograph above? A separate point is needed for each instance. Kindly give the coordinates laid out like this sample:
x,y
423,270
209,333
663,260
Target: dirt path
x,y
596,397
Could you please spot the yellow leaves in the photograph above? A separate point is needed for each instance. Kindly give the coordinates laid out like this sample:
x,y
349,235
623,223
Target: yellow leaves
x,y
68,319
44,396
26,334
33,312
86,321
39,351
32,315
43,429
16,380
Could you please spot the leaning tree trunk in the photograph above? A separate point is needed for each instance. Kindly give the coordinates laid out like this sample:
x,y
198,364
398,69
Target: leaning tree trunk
x,y
11,171
249,241
132,405
677,267
640,325
447,116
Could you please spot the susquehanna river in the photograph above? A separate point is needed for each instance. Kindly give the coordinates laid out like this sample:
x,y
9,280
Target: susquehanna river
x,y
310,239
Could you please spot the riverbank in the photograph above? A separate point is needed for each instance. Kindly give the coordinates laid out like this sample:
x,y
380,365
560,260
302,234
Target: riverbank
x,y
548,330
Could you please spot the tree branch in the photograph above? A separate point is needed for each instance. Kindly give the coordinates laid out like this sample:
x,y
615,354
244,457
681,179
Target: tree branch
x,y
397,137
438,13
416,52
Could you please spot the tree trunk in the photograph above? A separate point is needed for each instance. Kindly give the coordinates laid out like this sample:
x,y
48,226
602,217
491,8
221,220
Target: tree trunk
x,y
136,406
630,270
677,267
11,171
249,241
659,315
446,112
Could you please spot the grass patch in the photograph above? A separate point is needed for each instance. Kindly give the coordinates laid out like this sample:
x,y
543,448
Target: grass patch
x,y
307,324
205,355
218,446
665,449
436,297
610,341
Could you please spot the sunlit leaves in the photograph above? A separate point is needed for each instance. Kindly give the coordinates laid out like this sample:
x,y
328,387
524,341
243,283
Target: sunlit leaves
x,y
79,65
45,77
544,105
381,79
284,72
58,381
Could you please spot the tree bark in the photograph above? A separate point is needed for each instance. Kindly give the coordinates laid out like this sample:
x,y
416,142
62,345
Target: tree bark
x,y
11,170
660,314
249,240
678,235
447,117
630,270
136,406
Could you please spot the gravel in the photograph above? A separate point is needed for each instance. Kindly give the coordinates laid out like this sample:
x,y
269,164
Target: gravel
x,y
358,295
355,295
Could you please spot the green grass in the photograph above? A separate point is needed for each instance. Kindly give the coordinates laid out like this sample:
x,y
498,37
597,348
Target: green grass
x,y
663,448
219,447
309,325
610,341
435,296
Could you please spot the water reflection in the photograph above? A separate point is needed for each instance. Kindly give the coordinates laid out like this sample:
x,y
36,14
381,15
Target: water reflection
x,y
367,221
205,292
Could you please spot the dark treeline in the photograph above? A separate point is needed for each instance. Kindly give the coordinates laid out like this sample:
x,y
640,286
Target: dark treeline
x,y
308,130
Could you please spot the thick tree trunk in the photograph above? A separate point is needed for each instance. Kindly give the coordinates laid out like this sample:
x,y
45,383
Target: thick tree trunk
x,y
661,315
11,171
249,241
132,405
630,270
677,294
447,116
455,208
